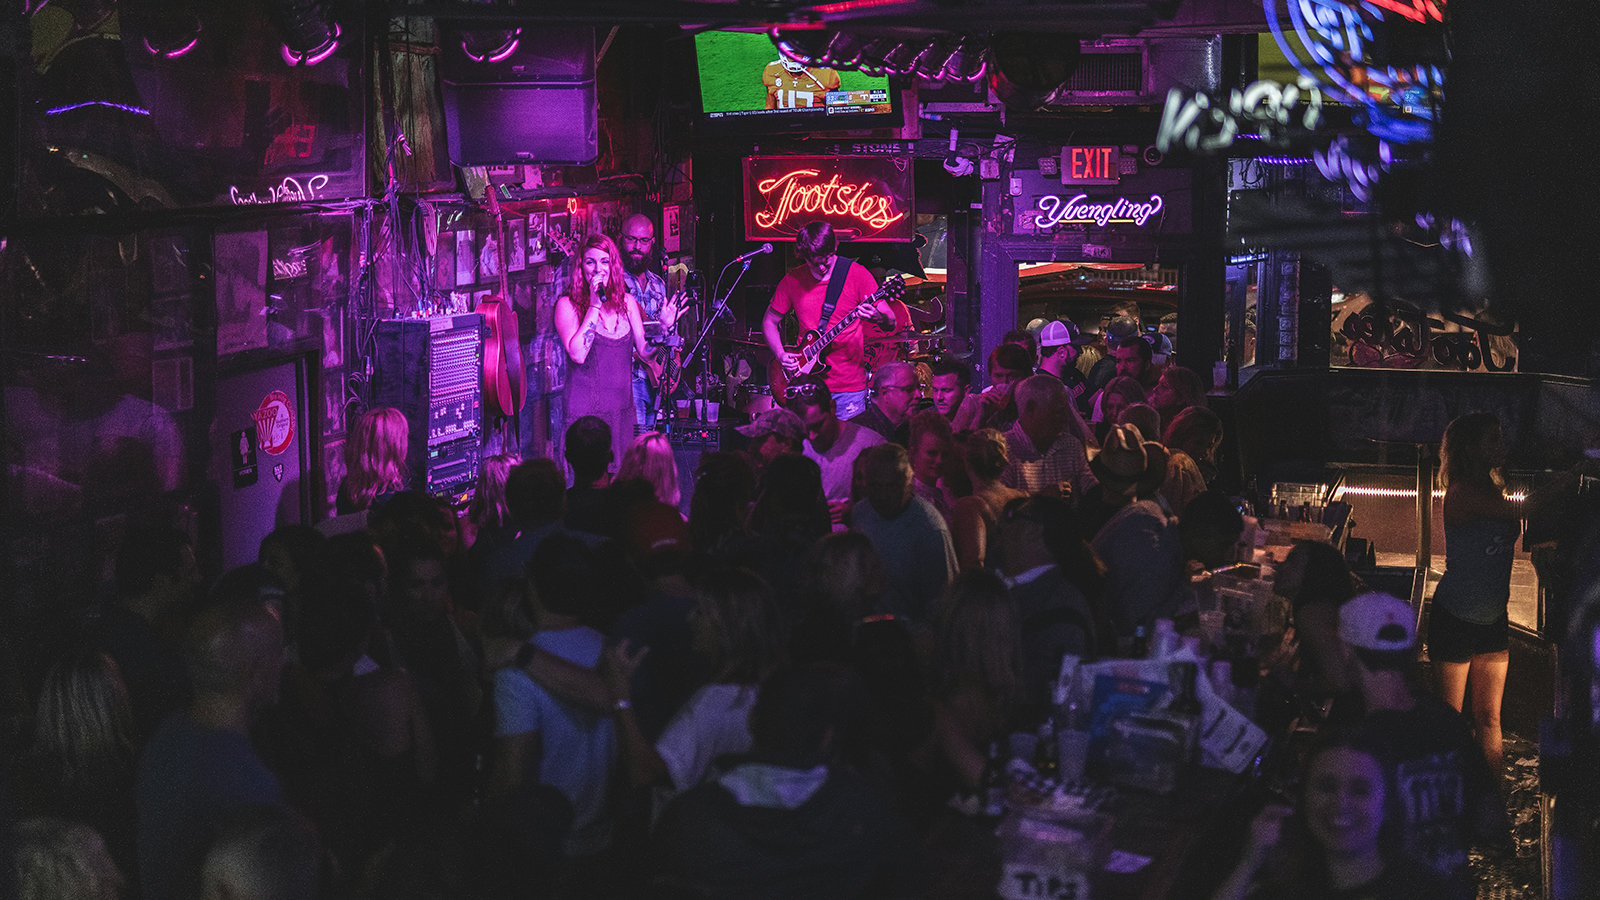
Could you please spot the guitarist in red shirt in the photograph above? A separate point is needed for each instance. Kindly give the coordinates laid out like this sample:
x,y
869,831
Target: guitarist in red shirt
x,y
805,291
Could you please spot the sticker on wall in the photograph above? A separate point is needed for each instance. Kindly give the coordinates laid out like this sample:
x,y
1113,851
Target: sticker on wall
x,y
275,423
242,446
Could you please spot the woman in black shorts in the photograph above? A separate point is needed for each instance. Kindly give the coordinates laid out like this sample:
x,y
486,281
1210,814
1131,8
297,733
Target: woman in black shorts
x,y
1468,630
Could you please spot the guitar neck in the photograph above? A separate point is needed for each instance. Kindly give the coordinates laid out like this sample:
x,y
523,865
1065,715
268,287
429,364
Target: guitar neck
x,y
821,343
823,340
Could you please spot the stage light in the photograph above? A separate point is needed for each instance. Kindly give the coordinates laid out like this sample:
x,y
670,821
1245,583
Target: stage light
x,y
930,63
844,51
490,46
968,62
172,36
902,57
309,37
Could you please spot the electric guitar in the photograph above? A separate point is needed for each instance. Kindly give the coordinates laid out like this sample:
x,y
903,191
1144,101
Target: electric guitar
x,y
814,343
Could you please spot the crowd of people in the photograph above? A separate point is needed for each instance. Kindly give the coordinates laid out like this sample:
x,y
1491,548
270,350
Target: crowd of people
x,y
577,690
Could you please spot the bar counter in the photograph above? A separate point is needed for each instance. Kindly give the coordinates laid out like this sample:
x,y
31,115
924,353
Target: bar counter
x,y
1189,837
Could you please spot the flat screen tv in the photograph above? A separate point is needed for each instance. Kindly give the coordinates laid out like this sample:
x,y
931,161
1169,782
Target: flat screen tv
x,y
745,82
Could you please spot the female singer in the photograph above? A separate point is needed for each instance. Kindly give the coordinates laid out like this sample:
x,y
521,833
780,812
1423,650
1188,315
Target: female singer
x,y
597,322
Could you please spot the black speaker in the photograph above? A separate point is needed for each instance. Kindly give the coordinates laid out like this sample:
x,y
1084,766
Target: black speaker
x,y
432,371
519,95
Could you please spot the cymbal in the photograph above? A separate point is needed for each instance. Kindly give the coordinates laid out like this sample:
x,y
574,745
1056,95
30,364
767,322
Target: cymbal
x,y
729,340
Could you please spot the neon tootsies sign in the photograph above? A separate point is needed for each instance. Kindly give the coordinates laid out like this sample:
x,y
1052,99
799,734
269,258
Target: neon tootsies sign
x,y
1080,210
864,198
801,193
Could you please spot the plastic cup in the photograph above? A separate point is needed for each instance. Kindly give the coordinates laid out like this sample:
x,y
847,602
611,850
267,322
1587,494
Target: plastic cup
x,y
683,409
1213,626
1072,754
713,412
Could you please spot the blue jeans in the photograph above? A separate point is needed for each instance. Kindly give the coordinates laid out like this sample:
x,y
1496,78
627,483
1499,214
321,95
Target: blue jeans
x,y
644,403
849,404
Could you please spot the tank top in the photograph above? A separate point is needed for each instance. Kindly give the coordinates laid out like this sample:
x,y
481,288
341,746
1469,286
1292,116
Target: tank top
x,y
1477,569
602,385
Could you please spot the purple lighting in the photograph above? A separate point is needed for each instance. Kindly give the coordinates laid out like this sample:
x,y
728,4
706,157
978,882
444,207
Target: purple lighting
x,y
506,48
172,54
293,57
136,110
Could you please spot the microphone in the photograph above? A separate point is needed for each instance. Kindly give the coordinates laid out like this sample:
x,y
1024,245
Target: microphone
x,y
764,248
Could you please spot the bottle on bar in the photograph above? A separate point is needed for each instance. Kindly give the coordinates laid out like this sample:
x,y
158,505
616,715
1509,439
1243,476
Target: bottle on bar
x,y
1044,748
1141,643
1185,706
992,785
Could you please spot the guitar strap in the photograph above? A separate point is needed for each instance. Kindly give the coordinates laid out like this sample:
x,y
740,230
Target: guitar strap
x,y
841,273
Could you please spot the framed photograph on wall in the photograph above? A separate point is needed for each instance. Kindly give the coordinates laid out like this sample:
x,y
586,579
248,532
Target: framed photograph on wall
x,y
466,258
488,255
444,263
516,245
333,400
537,248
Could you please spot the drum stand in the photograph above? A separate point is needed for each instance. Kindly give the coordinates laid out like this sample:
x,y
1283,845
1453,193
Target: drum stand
x,y
694,356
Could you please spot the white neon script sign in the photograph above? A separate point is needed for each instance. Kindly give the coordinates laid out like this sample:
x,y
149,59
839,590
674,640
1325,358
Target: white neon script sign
x,y
289,190
1055,210
1264,110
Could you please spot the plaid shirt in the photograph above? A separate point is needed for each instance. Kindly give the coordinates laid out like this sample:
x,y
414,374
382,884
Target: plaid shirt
x,y
1034,472
651,293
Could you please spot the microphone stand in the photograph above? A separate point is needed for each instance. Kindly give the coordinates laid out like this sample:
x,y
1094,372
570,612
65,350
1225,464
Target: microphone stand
x,y
717,310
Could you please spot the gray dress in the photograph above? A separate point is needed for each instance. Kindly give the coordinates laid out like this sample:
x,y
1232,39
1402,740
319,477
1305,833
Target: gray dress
x,y
602,385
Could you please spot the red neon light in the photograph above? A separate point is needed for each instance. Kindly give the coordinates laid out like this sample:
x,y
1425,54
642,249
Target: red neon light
x,y
1415,10
849,5
829,198
1092,163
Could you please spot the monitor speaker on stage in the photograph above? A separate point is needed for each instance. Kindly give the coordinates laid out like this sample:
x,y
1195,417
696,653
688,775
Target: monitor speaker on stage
x,y
519,95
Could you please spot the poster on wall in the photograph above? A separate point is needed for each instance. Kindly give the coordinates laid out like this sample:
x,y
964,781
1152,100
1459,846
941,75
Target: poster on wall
x,y
864,198
241,260
536,244
444,262
1409,338
671,237
516,245
466,258
488,255
558,237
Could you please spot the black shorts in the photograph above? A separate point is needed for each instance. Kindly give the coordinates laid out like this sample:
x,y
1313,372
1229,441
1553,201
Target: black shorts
x,y
1451,639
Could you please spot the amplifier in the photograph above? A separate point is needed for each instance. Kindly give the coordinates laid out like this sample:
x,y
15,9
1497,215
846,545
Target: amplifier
x,y
698,435
452,469
432,371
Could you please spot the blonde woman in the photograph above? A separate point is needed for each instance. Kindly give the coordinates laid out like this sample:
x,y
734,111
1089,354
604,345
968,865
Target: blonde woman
x,y
374,459
650,458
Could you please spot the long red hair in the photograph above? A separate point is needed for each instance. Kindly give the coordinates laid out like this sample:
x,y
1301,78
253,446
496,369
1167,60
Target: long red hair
x,y
582,294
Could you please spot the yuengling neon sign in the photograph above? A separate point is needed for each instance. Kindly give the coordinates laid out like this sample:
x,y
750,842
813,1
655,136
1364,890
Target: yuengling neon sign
x,y
1080,210
800,193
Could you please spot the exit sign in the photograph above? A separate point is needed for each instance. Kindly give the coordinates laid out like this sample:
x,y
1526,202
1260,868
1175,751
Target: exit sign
x,y
1089,165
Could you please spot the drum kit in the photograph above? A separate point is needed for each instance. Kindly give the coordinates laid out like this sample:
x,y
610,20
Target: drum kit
x,y
743,357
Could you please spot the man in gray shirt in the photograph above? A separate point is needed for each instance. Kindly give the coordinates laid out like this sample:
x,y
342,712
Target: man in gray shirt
x,y
910,536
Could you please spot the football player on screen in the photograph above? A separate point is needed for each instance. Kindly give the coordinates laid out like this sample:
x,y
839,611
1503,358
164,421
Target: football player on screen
x,y
793,85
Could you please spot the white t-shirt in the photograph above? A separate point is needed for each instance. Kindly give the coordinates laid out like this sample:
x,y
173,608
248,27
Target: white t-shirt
x,y
838,463
715,721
